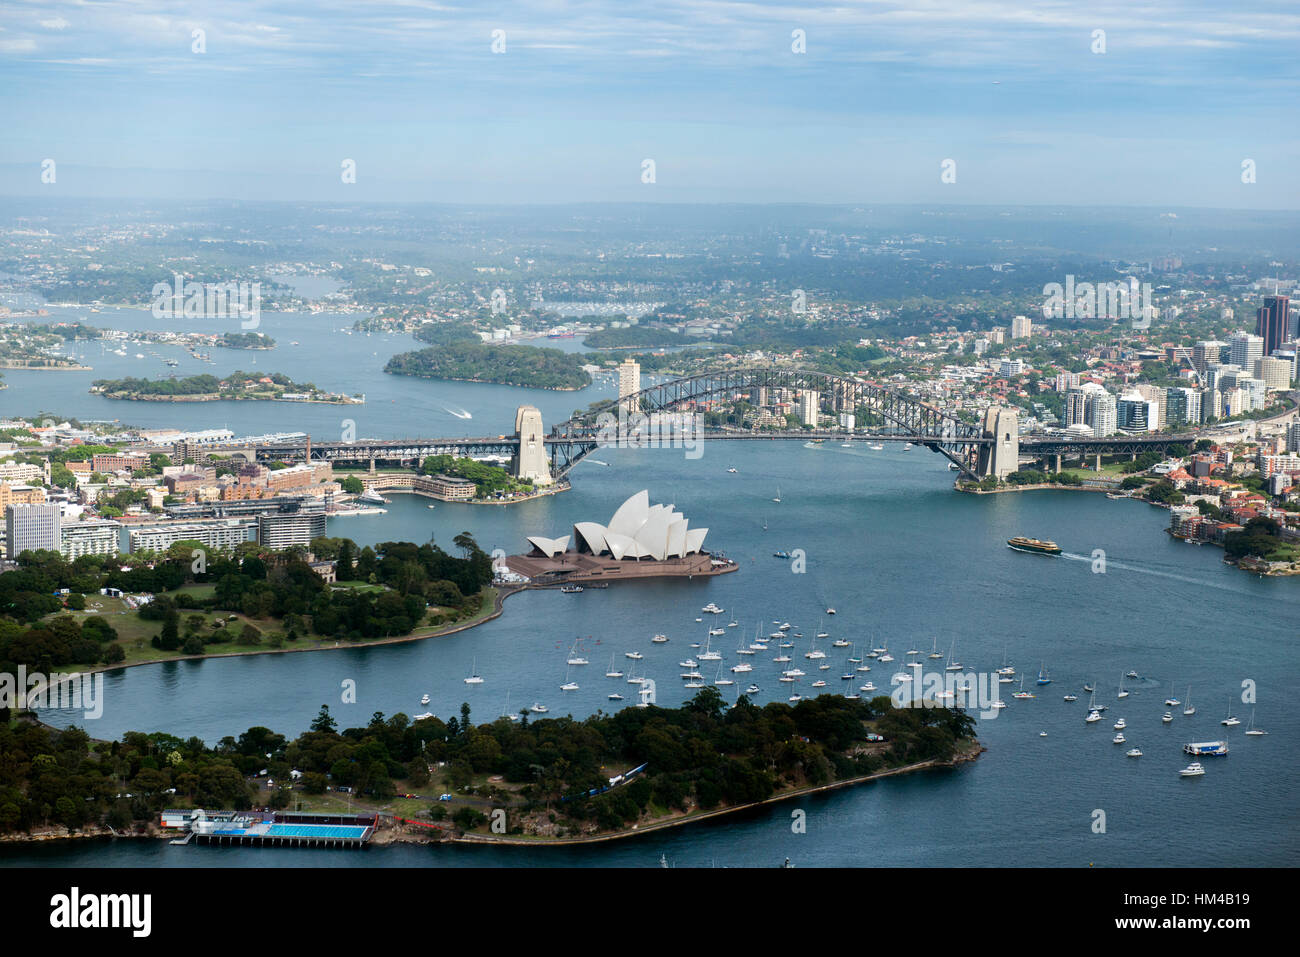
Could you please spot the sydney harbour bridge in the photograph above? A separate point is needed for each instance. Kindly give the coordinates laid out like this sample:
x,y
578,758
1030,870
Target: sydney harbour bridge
x,y
654,417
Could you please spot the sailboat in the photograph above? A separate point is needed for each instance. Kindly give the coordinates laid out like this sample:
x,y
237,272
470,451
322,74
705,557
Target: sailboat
x,y
568,685
1043,678
1022,693
1093,714
1189,710
1251,730
1229,721
506,713
1122,693
612,672
1171,701
474,678
956,665
721,681
934,649
778,495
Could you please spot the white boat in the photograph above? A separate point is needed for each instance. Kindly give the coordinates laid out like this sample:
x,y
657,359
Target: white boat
x,y
741,668
575,658
614,696
752,689
1022,693
1071,697
1122,692
424,699
1189,710
474,677
612,672
778,494
713,609
867,687
569,686
1253,731
1171,701
659,639
1121,724
422,717
840,643
539,708
721,681
732,471
1133,753
1229,721
688,663
796,697
1119,738
956,665
819,684
998,705
1192,770
1167,717
830,611
634,655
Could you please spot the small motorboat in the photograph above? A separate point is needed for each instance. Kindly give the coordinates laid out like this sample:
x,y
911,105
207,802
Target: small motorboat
x,y
1192,770
1133,753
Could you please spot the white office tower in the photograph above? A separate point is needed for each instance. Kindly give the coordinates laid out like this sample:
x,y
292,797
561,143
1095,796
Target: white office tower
x,y
1246,348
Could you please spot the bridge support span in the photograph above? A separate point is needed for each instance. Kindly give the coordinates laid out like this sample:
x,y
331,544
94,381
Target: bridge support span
x,y
1002,457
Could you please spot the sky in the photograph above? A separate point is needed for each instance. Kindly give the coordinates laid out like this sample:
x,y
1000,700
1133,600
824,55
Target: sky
x,y
577,96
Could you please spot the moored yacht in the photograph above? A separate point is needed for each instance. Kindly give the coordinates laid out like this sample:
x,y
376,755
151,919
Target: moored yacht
x,y
1192,770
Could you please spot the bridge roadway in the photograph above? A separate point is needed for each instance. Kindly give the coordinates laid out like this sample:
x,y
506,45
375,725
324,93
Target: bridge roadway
x,y
565,451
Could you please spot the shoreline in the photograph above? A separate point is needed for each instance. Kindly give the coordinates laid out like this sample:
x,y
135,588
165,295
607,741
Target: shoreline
x,y
971,754
217,397
502,593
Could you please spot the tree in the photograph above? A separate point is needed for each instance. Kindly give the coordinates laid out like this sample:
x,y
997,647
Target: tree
x,y
324,722
170,640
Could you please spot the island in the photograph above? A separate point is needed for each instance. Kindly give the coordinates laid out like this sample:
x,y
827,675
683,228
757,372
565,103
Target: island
x,y
524,366
244,340
238,386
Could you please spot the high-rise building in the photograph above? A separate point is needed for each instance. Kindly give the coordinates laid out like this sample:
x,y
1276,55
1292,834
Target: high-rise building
x,y
1245,349
1136,413
1182,406
32,527
998,335
1207,352
1065,381
629,381
1275,371
1022,327
1273,322
90,538
1103,415
1076,407
1211,405
1157,395
1293,437
292,527
809,402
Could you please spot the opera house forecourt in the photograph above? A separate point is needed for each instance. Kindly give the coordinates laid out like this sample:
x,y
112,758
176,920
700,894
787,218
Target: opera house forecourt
x,y
640,541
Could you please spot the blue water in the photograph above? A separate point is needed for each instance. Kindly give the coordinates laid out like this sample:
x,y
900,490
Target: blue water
x,y
905,561
885,540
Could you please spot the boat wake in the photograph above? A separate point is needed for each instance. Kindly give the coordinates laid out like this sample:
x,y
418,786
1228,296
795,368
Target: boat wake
x,y
1147,570
461,414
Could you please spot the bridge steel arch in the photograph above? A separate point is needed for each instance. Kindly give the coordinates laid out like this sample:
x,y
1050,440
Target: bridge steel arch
x,y
905,416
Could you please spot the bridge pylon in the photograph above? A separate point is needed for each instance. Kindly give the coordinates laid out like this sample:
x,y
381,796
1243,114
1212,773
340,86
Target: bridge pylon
x,y
531,461
1003,456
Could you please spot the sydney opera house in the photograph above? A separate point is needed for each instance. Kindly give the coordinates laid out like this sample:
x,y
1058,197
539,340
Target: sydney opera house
x,y
640,541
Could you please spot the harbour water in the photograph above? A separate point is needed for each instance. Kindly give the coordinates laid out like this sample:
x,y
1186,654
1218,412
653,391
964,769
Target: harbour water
x,y
883,539
906,562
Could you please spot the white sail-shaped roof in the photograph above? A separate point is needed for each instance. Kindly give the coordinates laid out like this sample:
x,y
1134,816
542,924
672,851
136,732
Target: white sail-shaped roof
x,y
636,530
592,534
631,515
550,547
677,537
653,535
621,546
